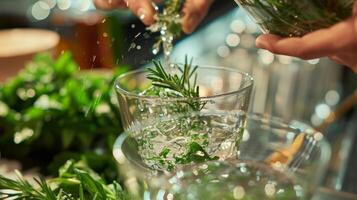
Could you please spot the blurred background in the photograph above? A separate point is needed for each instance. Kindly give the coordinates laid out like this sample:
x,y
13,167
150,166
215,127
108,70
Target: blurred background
x,y
284,87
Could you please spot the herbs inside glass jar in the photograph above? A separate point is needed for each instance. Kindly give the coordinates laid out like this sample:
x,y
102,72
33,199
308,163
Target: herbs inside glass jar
x,y
296,18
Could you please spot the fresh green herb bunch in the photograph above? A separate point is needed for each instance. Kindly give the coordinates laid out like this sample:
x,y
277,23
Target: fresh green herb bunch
x,y
182,84
76,181
168,24
297,18
173,6
50,109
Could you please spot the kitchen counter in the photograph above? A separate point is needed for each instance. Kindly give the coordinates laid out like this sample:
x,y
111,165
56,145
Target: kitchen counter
x,y
327,194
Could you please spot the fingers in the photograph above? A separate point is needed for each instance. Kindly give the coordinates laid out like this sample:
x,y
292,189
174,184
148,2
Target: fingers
x,y
324,42
347,59
142,8
336,59
109,4
194,12
267,41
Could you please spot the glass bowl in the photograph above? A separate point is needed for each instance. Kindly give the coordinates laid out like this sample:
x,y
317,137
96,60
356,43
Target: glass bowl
x,y
296,18
271,159
220,89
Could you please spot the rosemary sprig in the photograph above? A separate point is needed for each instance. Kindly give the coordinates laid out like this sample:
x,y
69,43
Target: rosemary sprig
x,y
22,189
76,181
184,84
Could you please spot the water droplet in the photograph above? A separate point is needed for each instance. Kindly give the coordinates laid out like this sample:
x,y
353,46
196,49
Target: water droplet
x,y
142,16
167,53
155,6
132,46
141,106
146,35
155,51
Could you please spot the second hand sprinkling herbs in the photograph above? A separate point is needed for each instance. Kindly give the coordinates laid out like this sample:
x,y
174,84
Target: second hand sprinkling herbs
x,y
168,24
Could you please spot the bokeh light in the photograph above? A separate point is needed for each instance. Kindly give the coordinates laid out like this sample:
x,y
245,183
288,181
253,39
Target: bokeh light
x,y
223,51
232,40
238,26
50,3
322,111
64,4
265,57
332,97
40,10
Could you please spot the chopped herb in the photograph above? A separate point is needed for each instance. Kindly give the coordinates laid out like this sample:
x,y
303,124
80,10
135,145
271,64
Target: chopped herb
x,y
195,154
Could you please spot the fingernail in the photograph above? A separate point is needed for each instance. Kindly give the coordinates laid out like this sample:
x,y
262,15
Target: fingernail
x,y
260,43
143,15
190,24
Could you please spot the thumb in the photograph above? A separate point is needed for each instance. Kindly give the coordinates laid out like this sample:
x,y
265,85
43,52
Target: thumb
x,y
194,12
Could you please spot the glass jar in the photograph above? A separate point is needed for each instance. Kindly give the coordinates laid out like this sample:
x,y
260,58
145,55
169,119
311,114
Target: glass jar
x,y
296,18
220,89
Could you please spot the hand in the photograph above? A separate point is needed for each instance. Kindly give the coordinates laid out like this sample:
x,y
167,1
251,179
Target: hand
x,y
338,42
194,10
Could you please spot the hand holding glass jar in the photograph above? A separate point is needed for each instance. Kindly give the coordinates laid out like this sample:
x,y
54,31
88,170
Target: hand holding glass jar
x,y
338,42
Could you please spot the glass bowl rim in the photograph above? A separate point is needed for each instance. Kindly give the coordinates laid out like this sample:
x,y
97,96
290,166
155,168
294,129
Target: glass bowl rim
x,y
249,85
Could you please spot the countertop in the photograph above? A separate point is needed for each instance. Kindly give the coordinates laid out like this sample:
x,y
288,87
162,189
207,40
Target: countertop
x,y
327,194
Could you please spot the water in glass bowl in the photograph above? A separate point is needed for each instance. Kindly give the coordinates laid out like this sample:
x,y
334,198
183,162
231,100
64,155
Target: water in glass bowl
x,y
222,155
189,138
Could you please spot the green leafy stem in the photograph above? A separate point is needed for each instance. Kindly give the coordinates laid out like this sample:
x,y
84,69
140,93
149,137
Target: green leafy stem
x,y
184,85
